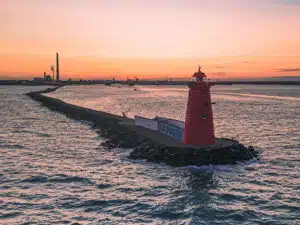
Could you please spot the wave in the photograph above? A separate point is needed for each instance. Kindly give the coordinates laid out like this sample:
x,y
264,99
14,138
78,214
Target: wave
x,y
104,186
10,215
33,132
59,178
96,205
223,168
12,146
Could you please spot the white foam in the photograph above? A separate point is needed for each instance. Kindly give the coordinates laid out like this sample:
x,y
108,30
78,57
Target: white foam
x,y
223,168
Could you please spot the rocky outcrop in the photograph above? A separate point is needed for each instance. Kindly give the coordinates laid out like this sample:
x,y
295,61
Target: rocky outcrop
x,y
194,156
119,135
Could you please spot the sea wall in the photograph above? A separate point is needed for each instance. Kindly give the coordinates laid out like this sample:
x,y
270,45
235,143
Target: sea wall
x,y
119,134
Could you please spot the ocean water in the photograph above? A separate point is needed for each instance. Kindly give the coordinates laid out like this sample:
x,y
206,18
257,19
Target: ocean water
x,y
54,171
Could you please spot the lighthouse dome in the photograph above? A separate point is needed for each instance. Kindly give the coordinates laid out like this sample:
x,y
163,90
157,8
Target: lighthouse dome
x,y
199,76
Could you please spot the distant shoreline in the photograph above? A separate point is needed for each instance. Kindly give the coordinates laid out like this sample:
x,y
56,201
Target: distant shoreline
x,y
132,83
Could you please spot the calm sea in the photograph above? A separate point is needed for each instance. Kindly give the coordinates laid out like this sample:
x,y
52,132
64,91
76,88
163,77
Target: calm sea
x,y
54,171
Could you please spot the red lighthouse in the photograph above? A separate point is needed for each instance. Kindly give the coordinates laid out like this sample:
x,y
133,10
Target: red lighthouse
x,y
199,126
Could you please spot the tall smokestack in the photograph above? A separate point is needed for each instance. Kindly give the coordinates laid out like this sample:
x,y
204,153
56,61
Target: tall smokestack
x,y
57,66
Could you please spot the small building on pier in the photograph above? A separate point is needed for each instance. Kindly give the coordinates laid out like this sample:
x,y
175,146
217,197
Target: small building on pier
x,y
170,127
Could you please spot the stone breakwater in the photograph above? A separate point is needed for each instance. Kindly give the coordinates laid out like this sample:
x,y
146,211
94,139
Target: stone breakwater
x,y
146,146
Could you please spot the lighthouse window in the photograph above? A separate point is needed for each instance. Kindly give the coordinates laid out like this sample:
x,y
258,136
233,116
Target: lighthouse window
x,y
204,116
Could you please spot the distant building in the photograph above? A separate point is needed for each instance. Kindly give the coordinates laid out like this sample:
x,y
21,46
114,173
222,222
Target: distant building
x,y
38,79
108,82
48,78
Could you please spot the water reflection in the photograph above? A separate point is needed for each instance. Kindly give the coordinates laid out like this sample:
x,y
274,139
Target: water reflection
x,y
57,173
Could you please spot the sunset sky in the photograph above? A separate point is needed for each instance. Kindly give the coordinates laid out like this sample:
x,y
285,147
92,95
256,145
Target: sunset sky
x,y
150,38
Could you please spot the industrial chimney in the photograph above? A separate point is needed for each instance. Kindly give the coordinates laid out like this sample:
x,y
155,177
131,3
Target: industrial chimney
x,y
57,66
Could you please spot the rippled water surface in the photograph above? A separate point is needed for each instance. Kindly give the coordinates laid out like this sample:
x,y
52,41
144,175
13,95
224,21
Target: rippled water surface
x,y
53,170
